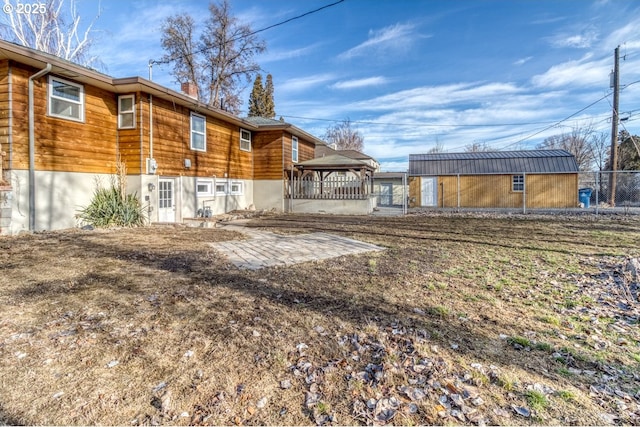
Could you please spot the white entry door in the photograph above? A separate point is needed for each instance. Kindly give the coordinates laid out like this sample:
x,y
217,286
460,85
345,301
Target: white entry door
x,y
429,191
166,200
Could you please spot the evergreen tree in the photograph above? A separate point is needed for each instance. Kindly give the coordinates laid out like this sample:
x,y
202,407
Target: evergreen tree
x,y
269,104
256,99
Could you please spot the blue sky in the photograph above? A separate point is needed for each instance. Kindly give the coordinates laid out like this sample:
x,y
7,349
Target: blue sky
x,y
411,74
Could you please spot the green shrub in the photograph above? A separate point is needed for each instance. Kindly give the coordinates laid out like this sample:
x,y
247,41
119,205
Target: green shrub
x,y
111,208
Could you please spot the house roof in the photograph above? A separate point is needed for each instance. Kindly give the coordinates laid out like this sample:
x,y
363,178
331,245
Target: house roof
x,y
507,162
333,162
69,70
264,123
388,175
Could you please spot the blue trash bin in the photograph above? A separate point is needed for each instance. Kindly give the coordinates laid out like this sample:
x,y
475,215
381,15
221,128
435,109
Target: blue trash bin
x,y
584,196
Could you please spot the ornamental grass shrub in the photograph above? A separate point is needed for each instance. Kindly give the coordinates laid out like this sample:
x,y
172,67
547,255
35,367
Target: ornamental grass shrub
x,y
112,206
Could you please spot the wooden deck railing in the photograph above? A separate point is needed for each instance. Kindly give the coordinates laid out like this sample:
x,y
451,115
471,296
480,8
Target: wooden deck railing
x,y
336,188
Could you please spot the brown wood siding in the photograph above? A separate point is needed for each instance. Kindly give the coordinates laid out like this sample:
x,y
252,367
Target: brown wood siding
x,y
4,115
552,191
495,191
268,154
273,151
171,144
63,145
129,139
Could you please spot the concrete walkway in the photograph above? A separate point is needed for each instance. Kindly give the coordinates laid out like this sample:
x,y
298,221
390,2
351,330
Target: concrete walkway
x,y
266,249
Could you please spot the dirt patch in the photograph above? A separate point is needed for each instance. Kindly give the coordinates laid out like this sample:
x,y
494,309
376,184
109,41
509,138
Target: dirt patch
x,y
461,320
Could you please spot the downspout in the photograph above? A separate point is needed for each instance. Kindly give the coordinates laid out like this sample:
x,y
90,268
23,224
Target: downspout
x,y
150,126
141,142
283,173
10,120
32,145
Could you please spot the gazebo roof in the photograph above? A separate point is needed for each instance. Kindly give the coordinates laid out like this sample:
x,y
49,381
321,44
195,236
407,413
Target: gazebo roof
x,y
333,162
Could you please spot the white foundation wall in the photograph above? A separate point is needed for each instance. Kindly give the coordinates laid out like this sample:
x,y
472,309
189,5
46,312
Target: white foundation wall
x,y
218,203
58,198
337,207
269,194
60,195
187,201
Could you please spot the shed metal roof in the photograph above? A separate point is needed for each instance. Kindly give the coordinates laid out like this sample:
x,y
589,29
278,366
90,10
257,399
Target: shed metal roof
x,y
493,162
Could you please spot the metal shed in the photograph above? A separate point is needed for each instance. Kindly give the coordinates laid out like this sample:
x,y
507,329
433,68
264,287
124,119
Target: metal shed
x,y
499,179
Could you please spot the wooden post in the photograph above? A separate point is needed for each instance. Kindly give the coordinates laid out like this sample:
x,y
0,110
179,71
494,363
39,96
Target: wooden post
x,y
614,129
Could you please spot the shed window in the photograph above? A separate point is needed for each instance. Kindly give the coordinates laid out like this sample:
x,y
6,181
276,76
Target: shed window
x,y
126,112
294,149
517,183
245,140
198,132
66,99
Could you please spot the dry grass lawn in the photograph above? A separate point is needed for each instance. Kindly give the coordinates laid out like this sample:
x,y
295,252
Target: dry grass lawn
x,y
461,320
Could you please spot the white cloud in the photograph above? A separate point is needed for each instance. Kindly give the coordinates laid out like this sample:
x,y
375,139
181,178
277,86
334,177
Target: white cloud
x,y
523,61
281,55
397,37
585,39
359,83
304,83
580,72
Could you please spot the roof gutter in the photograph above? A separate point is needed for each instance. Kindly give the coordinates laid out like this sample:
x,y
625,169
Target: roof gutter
x,y
32,149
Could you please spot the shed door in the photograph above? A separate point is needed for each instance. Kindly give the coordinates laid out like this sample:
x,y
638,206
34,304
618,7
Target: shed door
x,y
429,191
166,201
386,194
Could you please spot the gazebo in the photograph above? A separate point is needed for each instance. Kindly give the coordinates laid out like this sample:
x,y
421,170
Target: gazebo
x,y
332,178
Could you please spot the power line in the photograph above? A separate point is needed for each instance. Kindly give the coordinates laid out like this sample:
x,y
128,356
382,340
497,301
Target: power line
x,y
166,61
422,124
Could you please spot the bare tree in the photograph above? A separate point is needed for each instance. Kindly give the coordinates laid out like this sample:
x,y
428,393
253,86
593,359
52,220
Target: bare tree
x,y
345,136
600,149
438,148
219,62
49,29
477,147
578,143
177,40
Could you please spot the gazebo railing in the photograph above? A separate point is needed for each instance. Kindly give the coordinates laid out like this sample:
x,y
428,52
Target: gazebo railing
x,y
334,188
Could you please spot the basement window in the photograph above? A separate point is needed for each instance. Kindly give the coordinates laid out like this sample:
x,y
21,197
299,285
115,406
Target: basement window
x,y
221,189
517,183
236,188
66,99
204,187
126,112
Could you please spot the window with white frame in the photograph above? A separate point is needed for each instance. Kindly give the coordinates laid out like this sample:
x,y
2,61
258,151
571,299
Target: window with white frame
x,y
517,183
127,112
66,99
236,188
221,188
198,132
294,149
245,140
204,187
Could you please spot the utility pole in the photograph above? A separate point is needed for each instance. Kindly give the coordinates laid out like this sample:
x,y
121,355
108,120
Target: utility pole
x,y
614,128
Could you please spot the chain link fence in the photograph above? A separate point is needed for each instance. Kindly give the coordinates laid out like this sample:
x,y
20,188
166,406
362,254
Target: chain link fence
x,y
602,185
594,192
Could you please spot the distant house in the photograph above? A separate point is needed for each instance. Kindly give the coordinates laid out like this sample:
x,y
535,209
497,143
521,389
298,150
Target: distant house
x,y
63,127
502,179
389,188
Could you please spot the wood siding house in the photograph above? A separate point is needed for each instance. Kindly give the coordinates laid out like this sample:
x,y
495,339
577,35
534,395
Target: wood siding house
x,y
63,127
504,179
